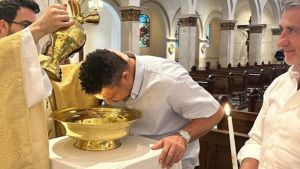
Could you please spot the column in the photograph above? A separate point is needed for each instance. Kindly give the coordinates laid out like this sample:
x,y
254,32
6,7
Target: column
x,y
255,43
188,40
275,36
227,42
130,28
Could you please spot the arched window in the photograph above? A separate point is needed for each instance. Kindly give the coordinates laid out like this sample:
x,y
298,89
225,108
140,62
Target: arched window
x,y
177,34
144,31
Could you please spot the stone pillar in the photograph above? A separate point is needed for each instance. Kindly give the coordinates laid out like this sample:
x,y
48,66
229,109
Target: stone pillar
x,y
255,43
130,28
188,40
275,36
171,48
227,42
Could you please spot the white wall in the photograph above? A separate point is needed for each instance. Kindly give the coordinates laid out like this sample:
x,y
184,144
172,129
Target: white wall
x,y
208,11
267,45
106,34
212,52
157,31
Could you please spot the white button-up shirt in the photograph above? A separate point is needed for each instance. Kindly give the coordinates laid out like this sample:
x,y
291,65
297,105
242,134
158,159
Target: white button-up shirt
x,y
275,135
168,98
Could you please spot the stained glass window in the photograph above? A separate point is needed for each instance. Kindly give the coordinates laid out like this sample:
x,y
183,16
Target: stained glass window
x,y
177,34
144,31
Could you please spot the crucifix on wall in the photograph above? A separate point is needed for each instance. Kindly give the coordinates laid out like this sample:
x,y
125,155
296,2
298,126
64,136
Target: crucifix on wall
x,y
246,28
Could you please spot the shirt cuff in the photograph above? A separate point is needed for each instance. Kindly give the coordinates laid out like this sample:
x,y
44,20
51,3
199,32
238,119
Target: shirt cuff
x,y
249,150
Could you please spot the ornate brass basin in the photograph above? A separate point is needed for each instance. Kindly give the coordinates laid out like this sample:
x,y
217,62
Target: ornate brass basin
x,y
97,128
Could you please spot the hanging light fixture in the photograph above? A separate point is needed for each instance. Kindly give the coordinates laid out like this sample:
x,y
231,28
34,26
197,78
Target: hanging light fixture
x,y
96,5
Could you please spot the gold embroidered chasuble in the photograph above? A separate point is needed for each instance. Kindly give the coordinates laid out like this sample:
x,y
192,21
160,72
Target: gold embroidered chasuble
x,y
23,131
68,92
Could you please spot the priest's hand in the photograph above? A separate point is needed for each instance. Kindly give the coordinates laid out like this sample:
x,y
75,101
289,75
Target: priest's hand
x,y
173,149
55,17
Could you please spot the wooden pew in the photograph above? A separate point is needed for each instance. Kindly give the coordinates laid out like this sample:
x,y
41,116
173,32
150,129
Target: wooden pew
x,y
278,71
215,146
219,85
237,89
254,101
242,121
199,75
254,81
215,149
205,84
237,82
268,76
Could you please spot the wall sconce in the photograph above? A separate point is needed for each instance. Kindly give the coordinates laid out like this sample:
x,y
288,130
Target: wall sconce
x,y
204,40
96,5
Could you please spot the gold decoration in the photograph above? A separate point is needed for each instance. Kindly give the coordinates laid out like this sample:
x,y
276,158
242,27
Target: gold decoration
x,y
227,25
68,40
189,21
97,128
130,15
257,28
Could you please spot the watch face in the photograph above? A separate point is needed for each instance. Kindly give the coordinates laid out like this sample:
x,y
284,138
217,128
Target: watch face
x,y
185,135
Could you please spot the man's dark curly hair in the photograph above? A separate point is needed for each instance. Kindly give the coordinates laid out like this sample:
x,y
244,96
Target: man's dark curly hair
x,y
102,68
9,8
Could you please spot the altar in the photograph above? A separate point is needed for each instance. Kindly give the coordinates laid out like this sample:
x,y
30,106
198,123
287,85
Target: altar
x,y
134,153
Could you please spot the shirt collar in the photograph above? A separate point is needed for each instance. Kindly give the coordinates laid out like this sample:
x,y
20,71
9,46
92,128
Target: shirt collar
x,y
138,76
294,72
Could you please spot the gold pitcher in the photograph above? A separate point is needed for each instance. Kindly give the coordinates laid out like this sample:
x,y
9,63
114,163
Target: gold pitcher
x,y
68,40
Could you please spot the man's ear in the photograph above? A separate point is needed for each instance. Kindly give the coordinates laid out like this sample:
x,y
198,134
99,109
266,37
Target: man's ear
x,y
125,75
3,28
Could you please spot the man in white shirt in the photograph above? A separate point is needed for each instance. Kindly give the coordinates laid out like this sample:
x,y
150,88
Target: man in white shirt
x,y
274,137
176,110
23,85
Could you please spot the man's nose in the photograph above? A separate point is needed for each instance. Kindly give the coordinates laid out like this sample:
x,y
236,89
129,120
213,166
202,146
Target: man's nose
x,y
283,40
109,101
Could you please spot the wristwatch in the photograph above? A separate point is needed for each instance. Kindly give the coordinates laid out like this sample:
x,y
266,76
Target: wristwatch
x,y
185,135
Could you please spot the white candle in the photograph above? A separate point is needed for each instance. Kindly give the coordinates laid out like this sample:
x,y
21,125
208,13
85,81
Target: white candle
x,y
231,137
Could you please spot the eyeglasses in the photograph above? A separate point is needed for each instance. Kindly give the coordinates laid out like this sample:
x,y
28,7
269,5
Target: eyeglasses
x,y
22,23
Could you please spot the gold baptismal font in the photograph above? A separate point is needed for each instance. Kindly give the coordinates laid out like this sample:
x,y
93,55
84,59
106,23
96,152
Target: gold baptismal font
x,y
68,40
97,128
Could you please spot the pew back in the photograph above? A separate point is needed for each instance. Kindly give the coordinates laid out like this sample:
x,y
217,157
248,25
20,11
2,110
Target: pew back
x,y
215,149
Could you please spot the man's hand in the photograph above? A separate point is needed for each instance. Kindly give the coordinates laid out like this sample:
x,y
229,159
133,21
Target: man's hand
x,y
249,163
173,149
54,18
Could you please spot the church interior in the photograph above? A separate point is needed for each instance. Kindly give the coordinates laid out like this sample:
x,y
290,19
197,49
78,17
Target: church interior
x,y
227,46
212,39
191,32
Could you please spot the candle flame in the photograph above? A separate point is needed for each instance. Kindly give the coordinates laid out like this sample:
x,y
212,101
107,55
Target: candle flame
x,y
227,109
